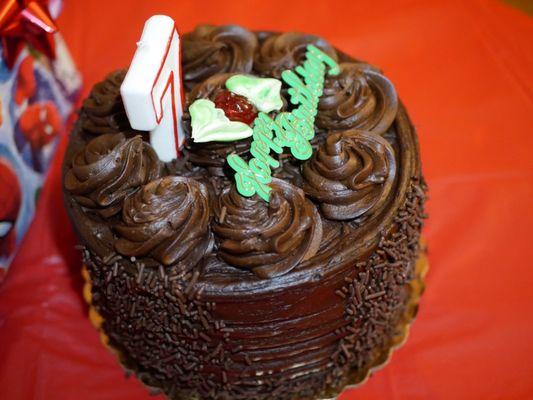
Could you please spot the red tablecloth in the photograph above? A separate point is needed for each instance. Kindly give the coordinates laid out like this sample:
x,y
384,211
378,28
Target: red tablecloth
x,y
464,72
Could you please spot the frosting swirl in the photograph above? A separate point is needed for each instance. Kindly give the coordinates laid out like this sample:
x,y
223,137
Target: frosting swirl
x,y
351,174
109,168
271,238
213,49
103,109
279,52
212,155
359,97
209,88
168,219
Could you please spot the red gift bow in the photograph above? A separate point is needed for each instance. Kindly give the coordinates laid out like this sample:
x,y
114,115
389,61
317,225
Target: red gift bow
x,y
26,21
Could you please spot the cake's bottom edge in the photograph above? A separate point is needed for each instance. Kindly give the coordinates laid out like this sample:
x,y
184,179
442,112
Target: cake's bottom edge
x,y
356,378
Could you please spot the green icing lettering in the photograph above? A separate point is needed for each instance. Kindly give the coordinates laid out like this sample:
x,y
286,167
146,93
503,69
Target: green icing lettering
x,y
261,170
263,143
294,137
293,130
313,51
300,93
305,116
250,181
263,93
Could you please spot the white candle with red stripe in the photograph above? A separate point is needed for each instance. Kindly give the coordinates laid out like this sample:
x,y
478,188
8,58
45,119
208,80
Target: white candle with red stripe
x,y
152,91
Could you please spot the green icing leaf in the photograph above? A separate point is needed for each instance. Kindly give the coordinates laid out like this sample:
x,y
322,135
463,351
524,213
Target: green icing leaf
x,y
263,93
210,124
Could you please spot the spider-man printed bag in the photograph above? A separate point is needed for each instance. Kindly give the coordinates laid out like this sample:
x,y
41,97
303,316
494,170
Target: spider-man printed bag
x,y
37,96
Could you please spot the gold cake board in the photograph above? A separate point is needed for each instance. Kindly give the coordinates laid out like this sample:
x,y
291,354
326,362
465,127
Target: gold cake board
x,y
356,378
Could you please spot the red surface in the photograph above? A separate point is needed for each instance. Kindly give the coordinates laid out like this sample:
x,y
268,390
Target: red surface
x,y
463,70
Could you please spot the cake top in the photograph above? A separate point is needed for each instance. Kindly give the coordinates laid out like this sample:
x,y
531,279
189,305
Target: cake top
x,y
323,211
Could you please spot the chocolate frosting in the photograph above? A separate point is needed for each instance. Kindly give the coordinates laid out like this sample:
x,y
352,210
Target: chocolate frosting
x,y
359,97
268,238
168,220
351,174
209,88
214,49
279,52
212,155
109,168
103,109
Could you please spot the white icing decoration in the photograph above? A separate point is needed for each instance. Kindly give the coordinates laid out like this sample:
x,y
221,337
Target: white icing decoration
x,y
210,124
263,93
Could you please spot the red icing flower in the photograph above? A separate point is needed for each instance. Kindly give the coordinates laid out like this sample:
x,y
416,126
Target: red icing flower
x,y
10,201
236,107
26,83
40,123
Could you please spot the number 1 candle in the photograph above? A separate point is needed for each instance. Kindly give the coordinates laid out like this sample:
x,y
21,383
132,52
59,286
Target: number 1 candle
x,y
152,92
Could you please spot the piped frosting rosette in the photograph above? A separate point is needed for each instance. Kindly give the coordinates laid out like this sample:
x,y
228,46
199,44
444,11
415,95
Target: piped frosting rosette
x,y
209,88
103,109
168,220
270,238
359,97
209,50
109,168
280,52
350,175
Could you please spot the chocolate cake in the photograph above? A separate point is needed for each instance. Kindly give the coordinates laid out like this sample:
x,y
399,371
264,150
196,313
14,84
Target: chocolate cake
x,y
206,293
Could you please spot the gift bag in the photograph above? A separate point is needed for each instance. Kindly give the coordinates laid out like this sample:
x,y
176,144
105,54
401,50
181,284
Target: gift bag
x,y
39,86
